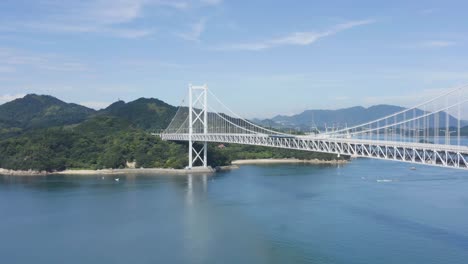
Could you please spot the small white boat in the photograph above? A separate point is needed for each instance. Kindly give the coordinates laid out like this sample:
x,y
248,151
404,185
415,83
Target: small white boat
x,y
412,168
384,180
117,179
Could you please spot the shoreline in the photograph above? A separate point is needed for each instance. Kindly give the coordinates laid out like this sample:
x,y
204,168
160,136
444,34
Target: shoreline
x,y
288,161
195,170
235,164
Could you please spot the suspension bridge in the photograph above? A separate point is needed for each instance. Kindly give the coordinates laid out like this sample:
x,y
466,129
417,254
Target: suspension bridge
x,y
429,133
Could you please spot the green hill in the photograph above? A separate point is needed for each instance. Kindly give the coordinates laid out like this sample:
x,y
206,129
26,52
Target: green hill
x,y
39,111
146,113
41,132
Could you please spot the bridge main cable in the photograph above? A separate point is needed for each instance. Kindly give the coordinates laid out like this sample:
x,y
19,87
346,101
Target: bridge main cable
x,y
400,112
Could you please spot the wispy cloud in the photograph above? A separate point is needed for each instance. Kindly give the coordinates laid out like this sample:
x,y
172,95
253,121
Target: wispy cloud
x,y
113,11
117,18
186,4
130,33
70,28
196,29
182,5
9,97
430,44
12,59
438,43
296,38
427,11
211,2
108,17
154,63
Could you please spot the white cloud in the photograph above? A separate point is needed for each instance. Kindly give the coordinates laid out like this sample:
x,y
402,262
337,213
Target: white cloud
x,y
65,67
152,63
88,13
174,4
130,33
95,104
116,32
10,97
296,38
246,46
195,32
12,59
430,44
427,11
104,17
115,11
186,4
211,2
438,43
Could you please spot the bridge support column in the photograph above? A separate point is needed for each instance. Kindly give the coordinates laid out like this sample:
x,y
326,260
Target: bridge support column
x,y
198,123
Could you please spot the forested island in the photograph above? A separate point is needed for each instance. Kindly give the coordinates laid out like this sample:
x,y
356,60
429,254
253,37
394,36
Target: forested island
x,y
43,133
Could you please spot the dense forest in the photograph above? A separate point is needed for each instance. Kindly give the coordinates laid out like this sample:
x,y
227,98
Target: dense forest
x,y
43,133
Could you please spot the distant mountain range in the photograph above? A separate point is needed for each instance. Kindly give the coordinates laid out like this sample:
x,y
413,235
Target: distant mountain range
x,y
43,111
351,116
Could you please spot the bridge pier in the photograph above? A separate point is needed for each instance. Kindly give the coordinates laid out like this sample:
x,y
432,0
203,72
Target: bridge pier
x,y
198,123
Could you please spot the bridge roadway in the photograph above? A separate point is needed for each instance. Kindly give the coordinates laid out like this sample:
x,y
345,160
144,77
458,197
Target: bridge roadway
x,y
420,153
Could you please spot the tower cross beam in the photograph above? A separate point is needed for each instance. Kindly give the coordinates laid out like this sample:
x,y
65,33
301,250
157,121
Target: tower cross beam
x,y
201,116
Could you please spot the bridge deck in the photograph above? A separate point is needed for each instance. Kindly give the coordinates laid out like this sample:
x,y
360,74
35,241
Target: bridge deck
x,y
452,156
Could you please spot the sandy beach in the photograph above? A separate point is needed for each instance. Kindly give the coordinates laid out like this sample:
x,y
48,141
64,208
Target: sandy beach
x,y
196,170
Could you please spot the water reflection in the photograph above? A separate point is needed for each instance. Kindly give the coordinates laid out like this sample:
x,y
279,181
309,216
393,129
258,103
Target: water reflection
x,y
199,182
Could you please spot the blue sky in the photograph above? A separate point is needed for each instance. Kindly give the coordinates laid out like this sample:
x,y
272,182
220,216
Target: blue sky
x,y
261,58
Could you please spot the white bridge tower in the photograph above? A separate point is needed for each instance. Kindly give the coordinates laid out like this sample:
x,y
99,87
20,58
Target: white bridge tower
x,y
198,123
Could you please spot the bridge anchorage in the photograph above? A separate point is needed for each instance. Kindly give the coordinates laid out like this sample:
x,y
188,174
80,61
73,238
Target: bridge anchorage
x,y
429,133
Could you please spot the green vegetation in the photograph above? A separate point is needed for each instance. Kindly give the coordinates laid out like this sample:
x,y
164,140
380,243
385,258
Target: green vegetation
x,y
44,133
101,142
148,114
38,111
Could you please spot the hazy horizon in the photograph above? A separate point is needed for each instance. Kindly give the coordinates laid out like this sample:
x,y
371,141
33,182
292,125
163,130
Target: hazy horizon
x,y
127,101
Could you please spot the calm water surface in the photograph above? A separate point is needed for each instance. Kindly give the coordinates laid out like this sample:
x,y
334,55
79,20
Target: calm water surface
x,y
368,211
